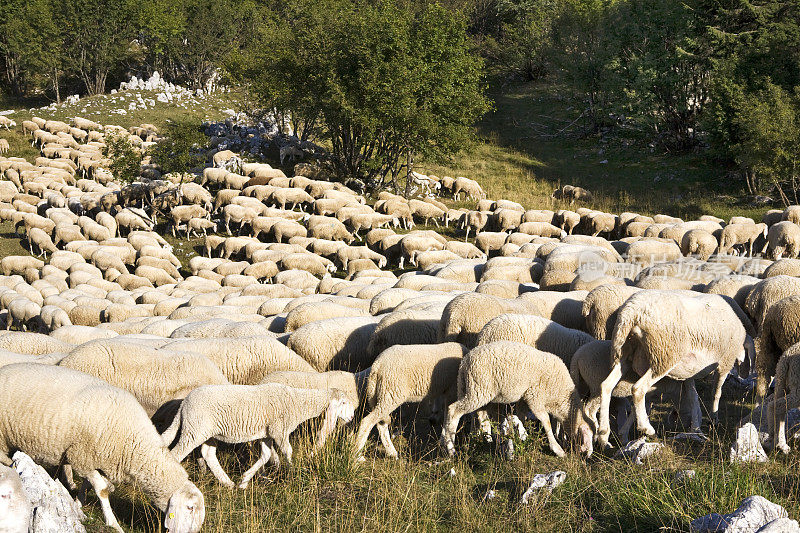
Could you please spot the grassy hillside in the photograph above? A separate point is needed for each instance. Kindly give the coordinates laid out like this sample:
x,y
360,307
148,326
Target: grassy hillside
x,y
531,144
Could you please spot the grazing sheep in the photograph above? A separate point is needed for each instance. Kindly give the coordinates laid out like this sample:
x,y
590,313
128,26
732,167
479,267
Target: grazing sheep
x,y
314,311
666,334
404,374
466,314
407,326
154,377
57,415
779,331
740,234
335,343
243,413
783,237
509,372
347,382
536,331
592,363
786,396
244,360
767,292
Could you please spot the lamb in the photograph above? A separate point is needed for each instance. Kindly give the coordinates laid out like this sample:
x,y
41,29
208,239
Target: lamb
x,y
404,374
667,334
335,343
154,377
58,415
243,413
508,372
244,360
536,331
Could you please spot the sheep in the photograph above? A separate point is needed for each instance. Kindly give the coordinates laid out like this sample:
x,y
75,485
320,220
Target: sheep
x,y
466,314
536,331
740,234
592,363
58,415
15,507
184,213
767,292
349,253
42,241
244,360
32,343
599,309
404,374
154,377
649,251
736,286
779,331
698,242
347,382
786,396
670,335
508,372
562,307
783,237
17,264
7,123
488,241
314,311
337,343
408,326
243,413
470,188
4,146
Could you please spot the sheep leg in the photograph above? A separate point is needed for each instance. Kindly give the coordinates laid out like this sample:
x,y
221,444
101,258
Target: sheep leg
x,y
717,395
364,429
265,454
606,389
209,453
66,470
101,487
454,414
485,424
544,418
639,392
283,444
386,438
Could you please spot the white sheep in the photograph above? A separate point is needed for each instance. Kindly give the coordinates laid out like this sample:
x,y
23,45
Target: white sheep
x,y
668,334
536,331
154,377
57,415
403,374
338,343
244,413
509,372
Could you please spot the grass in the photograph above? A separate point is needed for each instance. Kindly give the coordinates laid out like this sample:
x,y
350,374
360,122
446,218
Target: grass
x,y
419,492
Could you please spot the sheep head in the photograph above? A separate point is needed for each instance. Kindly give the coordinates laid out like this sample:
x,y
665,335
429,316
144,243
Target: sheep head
x,y
185,511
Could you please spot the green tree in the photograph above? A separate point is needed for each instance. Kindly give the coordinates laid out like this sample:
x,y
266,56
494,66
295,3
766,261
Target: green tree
x,y
386,82
99,38
126,159
181,148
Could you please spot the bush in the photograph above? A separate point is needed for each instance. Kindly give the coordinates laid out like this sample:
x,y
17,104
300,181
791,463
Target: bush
x,y
126,159
181,148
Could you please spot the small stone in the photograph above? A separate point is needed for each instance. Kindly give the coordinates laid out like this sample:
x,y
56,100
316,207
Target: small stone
x,y
490,495
452,472
682,476
547,482
639,450
780,525
747,448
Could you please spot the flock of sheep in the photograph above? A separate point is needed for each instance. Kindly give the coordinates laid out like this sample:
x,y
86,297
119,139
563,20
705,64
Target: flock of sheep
x,y
562,313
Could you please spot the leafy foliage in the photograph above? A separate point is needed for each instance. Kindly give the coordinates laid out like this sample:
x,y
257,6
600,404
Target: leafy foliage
x,y
180,149
126,159
380,97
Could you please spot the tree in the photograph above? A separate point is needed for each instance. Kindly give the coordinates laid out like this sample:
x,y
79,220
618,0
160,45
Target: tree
x,y
125,158
99,39
383,97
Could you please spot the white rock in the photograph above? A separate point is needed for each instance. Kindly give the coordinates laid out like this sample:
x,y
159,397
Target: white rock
x,y
54,510
547,482
15,507
747,448
682,476
752,514
7,112
490,495
781,525
639,450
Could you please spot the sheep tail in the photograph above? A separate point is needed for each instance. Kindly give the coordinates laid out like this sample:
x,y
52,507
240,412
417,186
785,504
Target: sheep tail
x,y
626,320
172,431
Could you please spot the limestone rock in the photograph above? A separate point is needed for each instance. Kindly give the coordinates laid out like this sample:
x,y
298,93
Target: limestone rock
x,y
639,450
754,513
546,482
747,448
